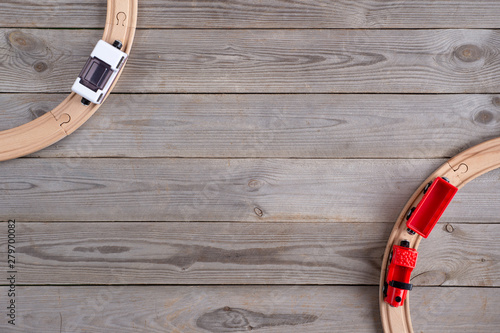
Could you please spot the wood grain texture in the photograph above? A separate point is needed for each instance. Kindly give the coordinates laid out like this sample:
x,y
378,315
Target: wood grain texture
x,y
264,61
366,14
266,208
260,126
245,253
235,309
252,190
459,254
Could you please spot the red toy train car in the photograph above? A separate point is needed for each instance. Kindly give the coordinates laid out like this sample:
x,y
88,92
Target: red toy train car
x,y
420,219
437,196
401,263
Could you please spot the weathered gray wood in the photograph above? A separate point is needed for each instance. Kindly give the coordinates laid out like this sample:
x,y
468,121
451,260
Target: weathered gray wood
x,y
263,194
365,14
245,253
240,125
253,61
294,190
241,308
459,254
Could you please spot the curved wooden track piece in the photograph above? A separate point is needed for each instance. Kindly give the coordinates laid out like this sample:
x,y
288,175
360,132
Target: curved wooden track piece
x,y
460,170
71,113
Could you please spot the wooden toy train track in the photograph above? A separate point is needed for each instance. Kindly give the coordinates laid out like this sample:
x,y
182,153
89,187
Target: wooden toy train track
x,y
72,113
459,170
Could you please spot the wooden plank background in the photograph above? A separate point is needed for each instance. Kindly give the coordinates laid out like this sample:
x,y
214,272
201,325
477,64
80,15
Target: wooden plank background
x,y
248,169
263,60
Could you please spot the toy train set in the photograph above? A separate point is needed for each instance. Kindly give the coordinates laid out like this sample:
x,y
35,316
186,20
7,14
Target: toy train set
x,y
93,85
416,221
421,219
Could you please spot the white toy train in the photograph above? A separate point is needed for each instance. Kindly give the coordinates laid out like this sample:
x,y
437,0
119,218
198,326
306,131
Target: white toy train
x,y
99,72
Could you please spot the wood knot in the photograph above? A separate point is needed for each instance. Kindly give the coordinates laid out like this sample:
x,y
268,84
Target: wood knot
x,y
37,112
449,228
258,212
255,185
23,42
238,320
484,117
469,53
40,66
495,101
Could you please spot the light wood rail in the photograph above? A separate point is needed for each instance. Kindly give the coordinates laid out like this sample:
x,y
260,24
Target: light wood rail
x,y
71,113
460,170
